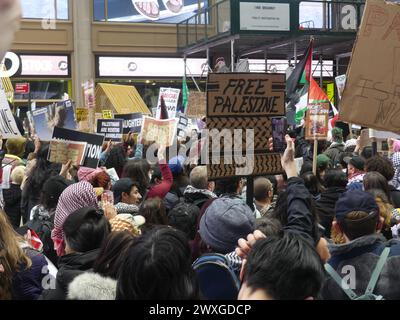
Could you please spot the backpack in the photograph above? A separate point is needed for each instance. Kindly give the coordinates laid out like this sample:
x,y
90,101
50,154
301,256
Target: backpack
x,y
43,227
183,216
368,295
216,279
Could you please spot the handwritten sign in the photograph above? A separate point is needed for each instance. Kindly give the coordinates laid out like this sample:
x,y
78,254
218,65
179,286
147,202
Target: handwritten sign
x,y
371,96
317,121
8,126
162,132
63,151
112,129
107,114
197,105
243,102
171,97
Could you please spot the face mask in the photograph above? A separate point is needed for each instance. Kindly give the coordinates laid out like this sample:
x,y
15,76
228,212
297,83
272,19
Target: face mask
x,y
10,14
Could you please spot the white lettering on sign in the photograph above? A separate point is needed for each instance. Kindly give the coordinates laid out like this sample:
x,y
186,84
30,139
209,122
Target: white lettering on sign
x,y
93,151
349,17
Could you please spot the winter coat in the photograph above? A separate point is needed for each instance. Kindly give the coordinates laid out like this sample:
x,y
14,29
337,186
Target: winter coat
x,y
325,207
198,196
12,204
334,152
395,195
362,254
27,283
160,190
172,198
92,286
70,266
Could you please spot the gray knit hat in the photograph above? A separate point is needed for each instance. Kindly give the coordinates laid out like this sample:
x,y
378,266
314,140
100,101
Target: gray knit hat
x,y
224,222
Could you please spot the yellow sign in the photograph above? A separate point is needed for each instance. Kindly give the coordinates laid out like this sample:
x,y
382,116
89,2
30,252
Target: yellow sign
x,y
82,114
108,114
330,92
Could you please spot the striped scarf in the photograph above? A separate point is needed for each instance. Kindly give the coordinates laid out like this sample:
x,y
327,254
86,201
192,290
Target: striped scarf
x,y
77,196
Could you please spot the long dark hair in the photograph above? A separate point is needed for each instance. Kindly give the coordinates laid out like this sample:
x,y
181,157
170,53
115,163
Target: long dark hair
x,y
114,247
116,159
138,170
158,267
153,210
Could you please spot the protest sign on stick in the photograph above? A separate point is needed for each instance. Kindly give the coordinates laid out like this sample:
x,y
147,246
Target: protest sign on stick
x,y
63,151
171,97
162,132
111,129
317,121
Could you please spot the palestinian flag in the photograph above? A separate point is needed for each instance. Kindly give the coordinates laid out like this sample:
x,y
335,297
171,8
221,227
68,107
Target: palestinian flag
x,y
301,74
312,93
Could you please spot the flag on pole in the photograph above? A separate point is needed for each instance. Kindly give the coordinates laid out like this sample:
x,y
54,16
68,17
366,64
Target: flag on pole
x,y
185,94
164,112
301,74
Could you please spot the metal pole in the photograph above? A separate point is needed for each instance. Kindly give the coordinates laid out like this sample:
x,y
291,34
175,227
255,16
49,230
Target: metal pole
x,y
295,53
321,82
266,60
250,192
232,55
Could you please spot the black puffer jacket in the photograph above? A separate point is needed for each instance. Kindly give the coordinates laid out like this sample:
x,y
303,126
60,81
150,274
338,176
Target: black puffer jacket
x,y
70,266
326,207
362,254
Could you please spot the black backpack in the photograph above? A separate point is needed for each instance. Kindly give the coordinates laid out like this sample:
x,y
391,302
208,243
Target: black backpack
x,y
184,216
43,227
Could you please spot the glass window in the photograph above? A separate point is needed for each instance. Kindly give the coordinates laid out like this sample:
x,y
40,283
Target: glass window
x,y
99,10
41,9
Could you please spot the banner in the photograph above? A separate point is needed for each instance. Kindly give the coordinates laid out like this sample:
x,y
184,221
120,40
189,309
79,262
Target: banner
x,y
93,148
197,105
162,132
340,84
171,97
107,114
8,126
111,129
317,121
132,122
371,94
63,151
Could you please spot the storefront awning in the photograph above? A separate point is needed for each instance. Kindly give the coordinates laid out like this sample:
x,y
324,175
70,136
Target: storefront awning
x,y
120,99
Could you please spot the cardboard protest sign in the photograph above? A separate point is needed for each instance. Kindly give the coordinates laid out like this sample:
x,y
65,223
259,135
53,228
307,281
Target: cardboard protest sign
x,y
107,114
8,126
112,129
183,123
317,118
244,102
63,151
132,122
371,94
82,114
93,148
89,94
162,132
197,105
171,97
340,84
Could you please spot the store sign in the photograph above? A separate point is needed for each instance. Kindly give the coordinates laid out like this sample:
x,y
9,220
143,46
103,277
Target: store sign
x,y
261,16
348,16
35,65
149,67
22,88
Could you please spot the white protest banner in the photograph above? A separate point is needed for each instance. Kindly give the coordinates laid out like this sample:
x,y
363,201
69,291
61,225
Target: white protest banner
x,y
171,97
8,126
162,132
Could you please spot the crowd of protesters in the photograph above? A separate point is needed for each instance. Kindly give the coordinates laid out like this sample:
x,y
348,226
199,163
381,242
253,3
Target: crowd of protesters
x,y
62,238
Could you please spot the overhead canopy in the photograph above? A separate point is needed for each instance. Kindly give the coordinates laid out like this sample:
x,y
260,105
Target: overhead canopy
x,y
120,99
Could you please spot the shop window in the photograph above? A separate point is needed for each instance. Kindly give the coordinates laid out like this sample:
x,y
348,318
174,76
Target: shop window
x,y
161,11
44,90
45,9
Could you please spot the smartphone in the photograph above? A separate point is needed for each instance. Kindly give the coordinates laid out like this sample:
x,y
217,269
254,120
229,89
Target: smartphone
x,y
279,130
